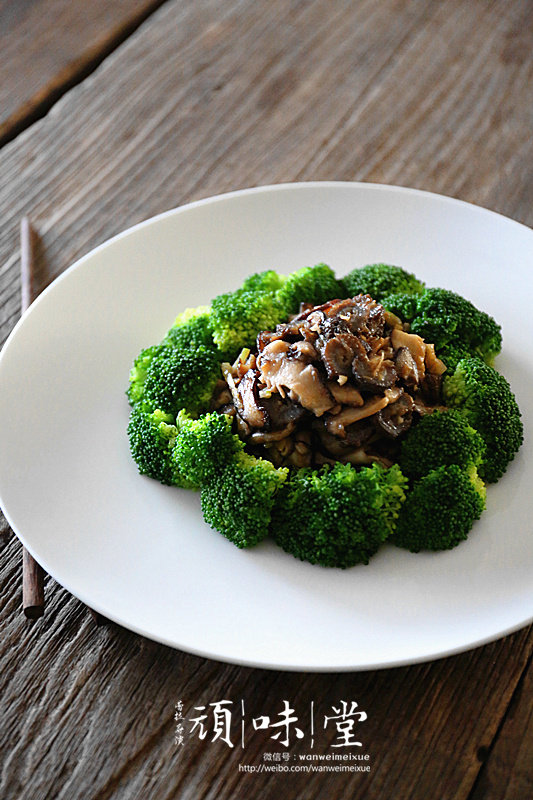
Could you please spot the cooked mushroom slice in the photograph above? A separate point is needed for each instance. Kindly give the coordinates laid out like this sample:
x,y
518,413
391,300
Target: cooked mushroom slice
x,y
423,407
433,364
415,344
334,308
355,435
345,393
234,391
284,446
221,395
337,424
406,367
396,418
431,388
254,414
281,412
367,316
337,354
393,394
359,432
314,322
286,332
372,374
304,351
266,337
243,429
264,437
420,405
301,381
358,315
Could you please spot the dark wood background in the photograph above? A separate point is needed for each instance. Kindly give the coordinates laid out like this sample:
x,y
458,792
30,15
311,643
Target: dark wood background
x,y
113,111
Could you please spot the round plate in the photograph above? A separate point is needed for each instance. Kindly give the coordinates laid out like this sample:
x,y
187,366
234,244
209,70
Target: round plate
x,y
139,552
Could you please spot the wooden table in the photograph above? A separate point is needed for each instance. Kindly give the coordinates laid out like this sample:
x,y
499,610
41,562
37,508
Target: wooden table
x,y
114,111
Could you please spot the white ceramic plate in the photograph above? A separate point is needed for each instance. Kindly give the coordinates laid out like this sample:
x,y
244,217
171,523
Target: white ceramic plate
x,y
139,552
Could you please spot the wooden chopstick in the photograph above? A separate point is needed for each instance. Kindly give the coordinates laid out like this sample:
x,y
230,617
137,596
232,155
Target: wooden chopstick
x,y
32,572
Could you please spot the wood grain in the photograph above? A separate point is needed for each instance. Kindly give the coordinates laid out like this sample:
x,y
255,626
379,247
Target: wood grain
x,y
210,97
48,47
507,770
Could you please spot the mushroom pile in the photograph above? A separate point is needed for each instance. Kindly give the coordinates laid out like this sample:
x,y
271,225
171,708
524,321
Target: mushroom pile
x,y
339,382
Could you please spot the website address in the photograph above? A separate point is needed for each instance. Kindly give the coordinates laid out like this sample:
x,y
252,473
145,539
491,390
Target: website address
x,y
304,768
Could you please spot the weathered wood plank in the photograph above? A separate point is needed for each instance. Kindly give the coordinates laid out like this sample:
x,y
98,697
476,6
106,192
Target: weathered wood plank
x,y
424,94
46,50
185,118
507,773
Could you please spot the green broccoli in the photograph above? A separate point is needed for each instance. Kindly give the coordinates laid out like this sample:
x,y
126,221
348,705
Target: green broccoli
x,y
445,318
267,281
402,305
192,328
152,436
440,509
380,280
314,285
181,378
338,516
238,499
238,317
485,399
204,445
138,372
451,354
437,440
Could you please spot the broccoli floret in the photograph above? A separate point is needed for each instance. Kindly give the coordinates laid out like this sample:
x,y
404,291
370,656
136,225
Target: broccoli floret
x,y
191,315
485,399
152,436
379,280
402,305
192,328
237,501
138,372
452,354
268,281
204,446
238,317
181,378
445,318
438,440
440,509
314,285
338,516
